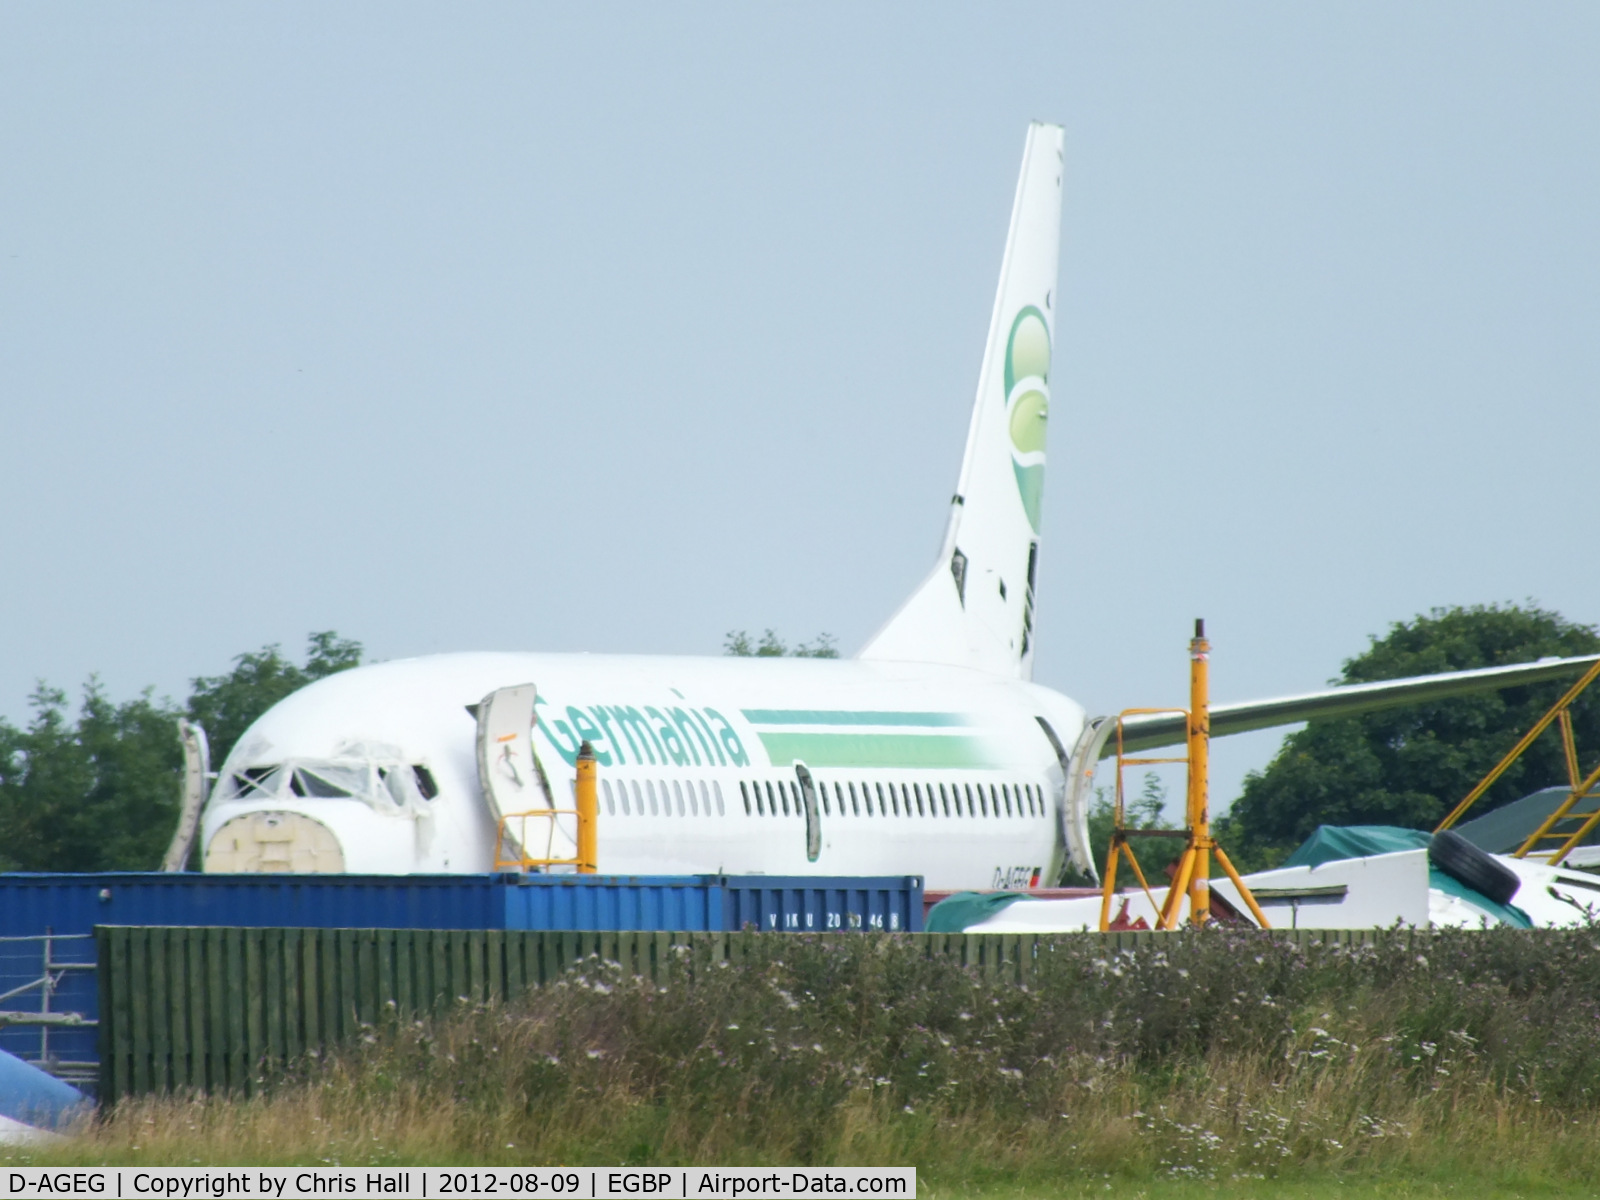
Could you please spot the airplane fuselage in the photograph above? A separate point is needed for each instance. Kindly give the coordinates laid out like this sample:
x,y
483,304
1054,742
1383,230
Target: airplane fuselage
x,y
924,769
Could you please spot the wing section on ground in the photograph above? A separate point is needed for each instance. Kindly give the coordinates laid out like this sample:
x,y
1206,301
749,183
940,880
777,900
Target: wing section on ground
x,y
1147,731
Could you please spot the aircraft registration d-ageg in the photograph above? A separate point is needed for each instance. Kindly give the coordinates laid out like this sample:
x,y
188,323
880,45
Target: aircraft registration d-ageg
x,y
931,752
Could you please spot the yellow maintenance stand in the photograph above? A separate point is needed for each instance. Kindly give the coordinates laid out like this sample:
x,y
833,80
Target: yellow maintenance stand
x,y
1580,787
510,851
1193,873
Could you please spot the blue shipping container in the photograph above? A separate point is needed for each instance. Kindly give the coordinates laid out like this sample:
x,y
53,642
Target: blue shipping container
x,y
823,904
34,904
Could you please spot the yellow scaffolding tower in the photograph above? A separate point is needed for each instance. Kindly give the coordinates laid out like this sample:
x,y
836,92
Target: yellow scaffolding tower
x,y
1193,877
1580,787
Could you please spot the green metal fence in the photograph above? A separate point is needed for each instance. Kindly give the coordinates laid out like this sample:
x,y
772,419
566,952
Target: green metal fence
x,y
213,1009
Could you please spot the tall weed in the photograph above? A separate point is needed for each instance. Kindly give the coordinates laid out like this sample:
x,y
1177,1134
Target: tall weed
x,y
1209,1055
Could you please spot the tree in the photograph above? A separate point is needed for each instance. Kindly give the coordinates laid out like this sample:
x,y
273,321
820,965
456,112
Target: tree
x,y
1409,766
738,645
100,793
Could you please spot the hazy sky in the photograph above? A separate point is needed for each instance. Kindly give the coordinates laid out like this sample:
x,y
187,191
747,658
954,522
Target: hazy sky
x,y
615,328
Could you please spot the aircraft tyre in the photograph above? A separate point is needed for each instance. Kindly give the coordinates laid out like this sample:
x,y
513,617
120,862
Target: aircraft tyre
x,y
1466,863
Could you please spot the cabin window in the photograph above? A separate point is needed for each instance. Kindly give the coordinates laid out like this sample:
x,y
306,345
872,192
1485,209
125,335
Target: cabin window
x,y
894,800
638,797
425,782
822,794
309,783
677,791
855,801
611,804
650,788
917,788
744,791
716,789
1037,796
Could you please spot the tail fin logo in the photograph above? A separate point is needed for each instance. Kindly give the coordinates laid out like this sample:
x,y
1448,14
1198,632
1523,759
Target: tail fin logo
x,y
1027,378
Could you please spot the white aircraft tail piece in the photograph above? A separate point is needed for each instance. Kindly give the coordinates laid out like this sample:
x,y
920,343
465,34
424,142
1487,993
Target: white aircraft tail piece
x,y
976,608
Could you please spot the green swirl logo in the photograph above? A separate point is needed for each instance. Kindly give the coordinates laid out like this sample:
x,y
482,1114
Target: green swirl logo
x,y
1027,380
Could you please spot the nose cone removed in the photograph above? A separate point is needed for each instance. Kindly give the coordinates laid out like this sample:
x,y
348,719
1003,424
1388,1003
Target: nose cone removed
x,y
274,842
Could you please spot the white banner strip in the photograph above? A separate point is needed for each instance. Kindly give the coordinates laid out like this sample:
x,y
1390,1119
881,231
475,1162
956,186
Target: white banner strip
x,y
437,1183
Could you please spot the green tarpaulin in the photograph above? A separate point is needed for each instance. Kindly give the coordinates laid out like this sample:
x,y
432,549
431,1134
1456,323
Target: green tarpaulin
x,y
1333,843
955,913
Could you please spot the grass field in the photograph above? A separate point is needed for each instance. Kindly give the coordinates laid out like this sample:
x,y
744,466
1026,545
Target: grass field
x,y
1464,1065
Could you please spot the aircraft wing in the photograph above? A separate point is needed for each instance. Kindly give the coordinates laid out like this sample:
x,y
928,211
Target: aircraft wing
x,y
1148,731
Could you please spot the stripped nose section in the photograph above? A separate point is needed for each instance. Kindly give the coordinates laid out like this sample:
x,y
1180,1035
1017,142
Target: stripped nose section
x,y
282,843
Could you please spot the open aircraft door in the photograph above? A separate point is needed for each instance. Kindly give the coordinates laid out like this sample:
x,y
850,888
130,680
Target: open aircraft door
x,y
511,776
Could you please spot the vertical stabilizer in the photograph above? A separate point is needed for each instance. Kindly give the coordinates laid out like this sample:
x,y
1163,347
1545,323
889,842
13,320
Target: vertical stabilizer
x,y
976,608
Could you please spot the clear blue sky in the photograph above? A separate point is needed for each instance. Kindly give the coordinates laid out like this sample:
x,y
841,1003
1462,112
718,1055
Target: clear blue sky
x,y
616,328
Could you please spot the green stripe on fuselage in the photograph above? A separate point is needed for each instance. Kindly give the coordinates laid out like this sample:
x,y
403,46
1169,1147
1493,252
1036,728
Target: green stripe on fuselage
x,y
874,750
807,716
